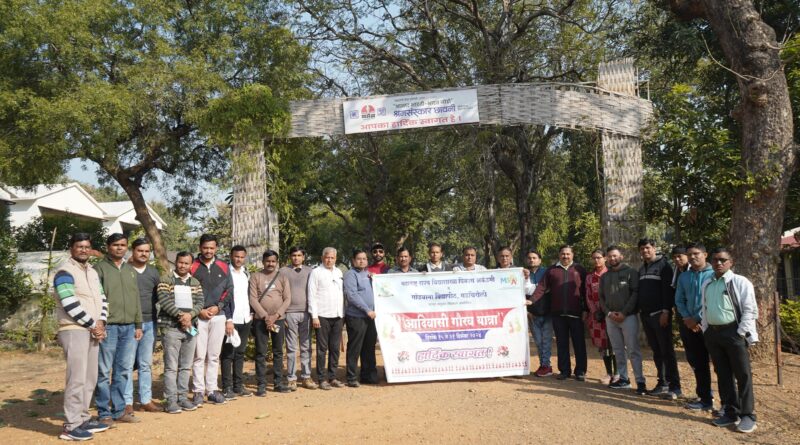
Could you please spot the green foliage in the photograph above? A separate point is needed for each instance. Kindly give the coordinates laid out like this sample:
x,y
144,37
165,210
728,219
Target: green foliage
x,y
37,234
14,285
790,320
587,237
176,235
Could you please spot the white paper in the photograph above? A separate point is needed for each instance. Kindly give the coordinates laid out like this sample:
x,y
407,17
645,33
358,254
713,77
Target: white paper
x,y
183,297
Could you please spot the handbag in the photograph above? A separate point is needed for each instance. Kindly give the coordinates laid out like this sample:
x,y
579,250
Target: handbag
x,y
599,316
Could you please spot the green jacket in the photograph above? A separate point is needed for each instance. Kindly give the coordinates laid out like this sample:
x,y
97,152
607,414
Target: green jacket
x,y
122,292
619,290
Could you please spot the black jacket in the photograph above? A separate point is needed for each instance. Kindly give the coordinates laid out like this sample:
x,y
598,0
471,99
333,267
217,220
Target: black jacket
x,y
655,287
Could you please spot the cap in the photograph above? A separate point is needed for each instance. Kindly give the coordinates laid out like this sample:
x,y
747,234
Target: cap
x,y
377,246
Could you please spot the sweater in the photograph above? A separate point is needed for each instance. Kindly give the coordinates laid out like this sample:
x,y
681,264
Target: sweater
x,y
358,293
298,281
147,282
122,291
655,287
217,285
566,288
618,290
169,310
80,300
275,301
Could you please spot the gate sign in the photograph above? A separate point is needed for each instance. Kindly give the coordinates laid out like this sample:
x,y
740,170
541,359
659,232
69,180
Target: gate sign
x,y
452,325
382,113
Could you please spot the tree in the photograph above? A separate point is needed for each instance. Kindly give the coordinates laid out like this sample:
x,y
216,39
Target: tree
x,y
129,85
768,150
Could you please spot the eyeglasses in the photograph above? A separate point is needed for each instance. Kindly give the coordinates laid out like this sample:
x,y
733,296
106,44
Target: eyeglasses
x,y
377,250
720,260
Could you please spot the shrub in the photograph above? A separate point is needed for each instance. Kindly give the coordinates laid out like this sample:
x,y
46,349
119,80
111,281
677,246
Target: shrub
x,y
14,285
35,236
790,322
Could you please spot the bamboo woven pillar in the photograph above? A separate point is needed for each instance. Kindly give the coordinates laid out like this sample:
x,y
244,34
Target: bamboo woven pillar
x,y
621,217
254,223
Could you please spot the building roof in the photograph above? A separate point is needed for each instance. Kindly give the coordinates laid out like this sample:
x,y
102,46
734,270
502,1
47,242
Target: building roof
x,y
123,210
790,239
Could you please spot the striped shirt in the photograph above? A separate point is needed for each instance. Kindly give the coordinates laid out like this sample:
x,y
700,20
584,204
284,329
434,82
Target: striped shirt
x,y
64,285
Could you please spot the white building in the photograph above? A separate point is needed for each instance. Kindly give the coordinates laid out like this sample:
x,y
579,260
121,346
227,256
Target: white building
x,y
71,199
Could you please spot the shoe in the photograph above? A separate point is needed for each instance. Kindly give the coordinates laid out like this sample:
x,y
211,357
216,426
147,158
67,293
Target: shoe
x,y
216,398
76,434
198,399
187,405
580,377
94,426
128,418
672,394
174,408
699,406
370,382
563,376
107,420
725,420
292,385
606,380
229,394
241,392
620,384
641,388
336,384
150,407
261,391
308,384
544,371
325,386
746,425
128,409
281,388
353,384
658,391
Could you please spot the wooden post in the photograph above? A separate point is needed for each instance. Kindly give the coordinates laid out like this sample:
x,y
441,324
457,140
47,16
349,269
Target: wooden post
x,y
778,358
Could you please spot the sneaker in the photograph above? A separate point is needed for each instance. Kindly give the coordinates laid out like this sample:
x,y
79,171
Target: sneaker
x,y
229,394
128,418
620,384
353,384
699,406
337,384
325,385
198,399
216,398
292,385
563,376
308,384
580,377
658,391
175,408
107,420
544,371
187,405
673,394
725,420
281,388
746,424
94,426
241,392
76,434
641,388
261,391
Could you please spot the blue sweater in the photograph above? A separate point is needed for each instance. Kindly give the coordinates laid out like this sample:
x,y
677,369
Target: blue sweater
x,y
358,293
689,295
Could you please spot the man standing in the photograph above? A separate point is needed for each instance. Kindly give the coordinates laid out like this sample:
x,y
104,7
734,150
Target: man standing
x,y
180,297
681,262
435,263
270,294
298,321
656,299
618,296
326,305
541,324
689,299
469,258
233,357
378,265
729,314
147,279
360,321
216,319
81,311
402,262
565,282
124,329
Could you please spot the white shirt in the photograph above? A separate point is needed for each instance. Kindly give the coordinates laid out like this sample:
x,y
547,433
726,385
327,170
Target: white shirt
x,y
241,301
462,268
325,294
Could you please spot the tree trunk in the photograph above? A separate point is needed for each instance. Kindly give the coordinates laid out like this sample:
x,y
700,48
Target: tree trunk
x,y
768,156
134,191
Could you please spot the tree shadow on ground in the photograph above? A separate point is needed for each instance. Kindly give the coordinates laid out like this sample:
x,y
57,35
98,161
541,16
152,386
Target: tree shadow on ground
x,y
37,413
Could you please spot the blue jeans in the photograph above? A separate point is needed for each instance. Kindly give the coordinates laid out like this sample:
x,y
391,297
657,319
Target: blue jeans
x,y
542,330
144,357
115,365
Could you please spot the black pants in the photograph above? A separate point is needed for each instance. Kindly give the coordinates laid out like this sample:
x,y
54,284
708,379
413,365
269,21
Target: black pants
x,y
660,341
263,336
329,340
697,356
361,338
731,359
233,359
566,329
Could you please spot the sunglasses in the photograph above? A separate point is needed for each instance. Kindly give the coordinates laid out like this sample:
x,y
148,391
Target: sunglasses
x,y
720,260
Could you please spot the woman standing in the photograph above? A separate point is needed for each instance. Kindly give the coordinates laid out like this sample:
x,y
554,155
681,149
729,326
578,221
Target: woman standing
x,y
596,321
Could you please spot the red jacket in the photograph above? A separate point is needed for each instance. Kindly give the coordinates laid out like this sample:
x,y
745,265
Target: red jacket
x,y
566,287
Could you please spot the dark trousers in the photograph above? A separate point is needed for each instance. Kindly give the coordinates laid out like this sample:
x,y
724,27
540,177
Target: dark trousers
x,y
233,359
329,340
566,329
697,356
263,336
361,338
731,359
660,341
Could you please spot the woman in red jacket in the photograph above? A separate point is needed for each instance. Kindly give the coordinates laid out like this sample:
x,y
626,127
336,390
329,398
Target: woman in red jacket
x,y
596,321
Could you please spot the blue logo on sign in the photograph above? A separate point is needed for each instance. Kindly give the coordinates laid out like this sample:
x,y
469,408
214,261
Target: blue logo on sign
x,y
382,111
354,114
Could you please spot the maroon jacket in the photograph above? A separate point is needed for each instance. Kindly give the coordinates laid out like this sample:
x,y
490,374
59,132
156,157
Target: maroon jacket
x,y
566,287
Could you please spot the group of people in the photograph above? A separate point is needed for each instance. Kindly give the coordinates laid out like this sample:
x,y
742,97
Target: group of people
x,y
205,310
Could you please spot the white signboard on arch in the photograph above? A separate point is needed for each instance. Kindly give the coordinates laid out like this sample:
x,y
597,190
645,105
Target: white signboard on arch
x,y
383,113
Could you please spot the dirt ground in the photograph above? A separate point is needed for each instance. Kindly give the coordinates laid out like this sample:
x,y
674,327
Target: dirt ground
x,y
505,410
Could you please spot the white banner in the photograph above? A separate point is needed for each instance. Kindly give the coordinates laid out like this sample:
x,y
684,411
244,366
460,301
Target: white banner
x,y
452,325
382,113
